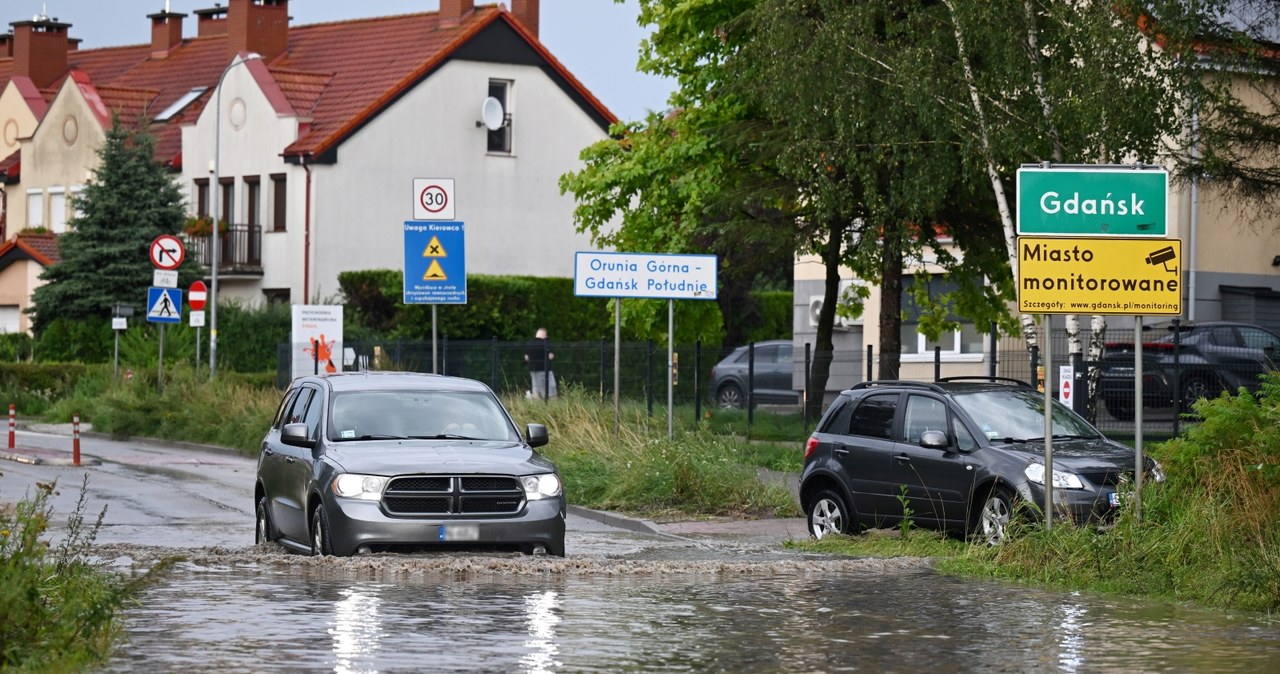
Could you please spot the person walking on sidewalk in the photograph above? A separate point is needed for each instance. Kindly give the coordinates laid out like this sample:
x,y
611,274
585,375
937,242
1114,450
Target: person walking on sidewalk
x,y
538,355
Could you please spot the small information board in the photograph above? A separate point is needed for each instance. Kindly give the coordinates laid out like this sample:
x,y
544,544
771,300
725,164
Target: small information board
x,y
435,263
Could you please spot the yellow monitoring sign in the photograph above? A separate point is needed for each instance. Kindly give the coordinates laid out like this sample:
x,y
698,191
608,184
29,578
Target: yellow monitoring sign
x,y
1136,277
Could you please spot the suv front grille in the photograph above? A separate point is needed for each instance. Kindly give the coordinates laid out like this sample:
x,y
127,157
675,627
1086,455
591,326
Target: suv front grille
x,y
441,495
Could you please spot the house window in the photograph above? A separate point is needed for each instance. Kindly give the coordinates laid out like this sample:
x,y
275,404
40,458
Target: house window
x,y
968,340
57,210
228,191
500,139
252,199
35,208
276,296
202,197
9,315
279,198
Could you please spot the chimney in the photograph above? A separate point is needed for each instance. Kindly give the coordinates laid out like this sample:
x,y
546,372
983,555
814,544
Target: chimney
x,y
211,21
40,50
6,45
452,12
166,32
260,26
526,12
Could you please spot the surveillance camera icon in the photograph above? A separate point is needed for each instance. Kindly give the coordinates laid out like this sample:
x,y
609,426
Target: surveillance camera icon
x,y
1163,257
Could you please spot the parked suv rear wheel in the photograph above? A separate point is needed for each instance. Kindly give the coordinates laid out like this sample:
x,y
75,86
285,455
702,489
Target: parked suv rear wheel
x,y
730,396
829,514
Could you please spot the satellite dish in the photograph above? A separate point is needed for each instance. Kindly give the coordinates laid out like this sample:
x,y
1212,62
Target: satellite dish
x,y
492,113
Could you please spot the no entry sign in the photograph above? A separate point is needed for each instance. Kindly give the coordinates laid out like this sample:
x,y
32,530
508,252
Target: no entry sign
x,y
197,296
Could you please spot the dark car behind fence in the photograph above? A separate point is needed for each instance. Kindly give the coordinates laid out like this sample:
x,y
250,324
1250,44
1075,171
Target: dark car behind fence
x,y
590,365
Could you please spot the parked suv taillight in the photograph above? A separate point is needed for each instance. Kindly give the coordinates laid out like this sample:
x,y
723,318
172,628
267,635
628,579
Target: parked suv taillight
x,y
809,446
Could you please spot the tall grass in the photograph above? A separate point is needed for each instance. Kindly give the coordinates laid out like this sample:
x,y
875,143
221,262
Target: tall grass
x,y
57,606
226,412
632,465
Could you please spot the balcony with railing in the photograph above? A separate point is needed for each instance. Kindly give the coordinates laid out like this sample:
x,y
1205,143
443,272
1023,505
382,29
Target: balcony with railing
x,y
239,250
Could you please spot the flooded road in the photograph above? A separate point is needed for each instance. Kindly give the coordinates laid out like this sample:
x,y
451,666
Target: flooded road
x,y
541,615
681,597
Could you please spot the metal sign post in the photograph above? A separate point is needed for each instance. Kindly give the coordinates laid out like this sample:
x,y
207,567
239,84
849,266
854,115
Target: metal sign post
x,y
1048,425
646,275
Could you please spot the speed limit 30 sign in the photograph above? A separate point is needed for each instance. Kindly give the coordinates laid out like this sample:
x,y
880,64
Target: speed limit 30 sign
x,y
433,199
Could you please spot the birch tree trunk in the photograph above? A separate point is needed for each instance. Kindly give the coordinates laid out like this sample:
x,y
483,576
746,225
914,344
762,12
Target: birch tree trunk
x,y
997,185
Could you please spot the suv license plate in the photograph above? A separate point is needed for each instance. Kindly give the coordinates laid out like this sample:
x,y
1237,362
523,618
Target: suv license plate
x,y
1115,499
459,532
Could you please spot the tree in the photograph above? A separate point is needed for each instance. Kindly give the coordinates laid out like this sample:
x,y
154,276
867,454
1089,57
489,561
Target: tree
x,y
129,201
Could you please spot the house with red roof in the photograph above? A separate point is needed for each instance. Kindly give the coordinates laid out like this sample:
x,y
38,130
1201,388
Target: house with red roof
x,y
315,133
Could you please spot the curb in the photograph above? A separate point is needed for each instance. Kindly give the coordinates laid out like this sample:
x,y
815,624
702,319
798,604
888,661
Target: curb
x,y
47,458
616,521
54,429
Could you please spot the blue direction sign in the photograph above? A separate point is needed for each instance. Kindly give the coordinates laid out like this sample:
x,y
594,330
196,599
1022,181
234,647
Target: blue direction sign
x,y
435,263
164,305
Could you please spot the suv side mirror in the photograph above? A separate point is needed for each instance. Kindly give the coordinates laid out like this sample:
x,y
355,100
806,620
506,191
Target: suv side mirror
x,y
536,435
934,440
295,435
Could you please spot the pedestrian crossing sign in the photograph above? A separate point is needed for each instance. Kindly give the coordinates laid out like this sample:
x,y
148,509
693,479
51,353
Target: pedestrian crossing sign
x,y
164,305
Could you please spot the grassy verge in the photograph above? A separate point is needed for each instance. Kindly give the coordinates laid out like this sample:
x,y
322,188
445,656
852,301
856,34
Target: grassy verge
x,y
1209,534
698,472
57,607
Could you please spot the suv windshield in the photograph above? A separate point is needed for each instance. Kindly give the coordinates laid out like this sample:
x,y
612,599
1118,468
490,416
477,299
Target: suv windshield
x,y
1019,415
380,415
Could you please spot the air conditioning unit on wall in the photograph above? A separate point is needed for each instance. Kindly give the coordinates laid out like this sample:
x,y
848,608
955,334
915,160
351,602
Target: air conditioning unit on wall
x,y
841,323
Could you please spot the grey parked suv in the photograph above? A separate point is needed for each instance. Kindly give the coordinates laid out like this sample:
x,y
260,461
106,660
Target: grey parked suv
x,y
959,456
772,375
374,461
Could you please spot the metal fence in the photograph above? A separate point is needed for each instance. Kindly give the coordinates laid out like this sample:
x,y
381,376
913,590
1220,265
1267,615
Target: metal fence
x,y
642,373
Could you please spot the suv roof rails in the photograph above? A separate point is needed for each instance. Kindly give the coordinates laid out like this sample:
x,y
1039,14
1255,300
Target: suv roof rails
x,y
986,378
897,382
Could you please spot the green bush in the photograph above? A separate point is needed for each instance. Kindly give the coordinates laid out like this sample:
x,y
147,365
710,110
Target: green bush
x,y
76,340
57,605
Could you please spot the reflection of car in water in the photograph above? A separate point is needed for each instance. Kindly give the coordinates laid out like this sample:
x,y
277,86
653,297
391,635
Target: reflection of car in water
x,y
1209,358
772,375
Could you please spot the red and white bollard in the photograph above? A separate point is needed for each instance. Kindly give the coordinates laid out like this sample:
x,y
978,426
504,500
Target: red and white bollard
x,y
75,439
12,417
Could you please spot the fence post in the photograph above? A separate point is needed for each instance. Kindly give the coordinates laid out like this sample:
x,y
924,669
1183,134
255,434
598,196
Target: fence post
x,y
697,382
751,385
546,372
603,366
1035,365
648,374
444,355
804,399
870,355
493,363
937,363
995,341
75,439
1177,376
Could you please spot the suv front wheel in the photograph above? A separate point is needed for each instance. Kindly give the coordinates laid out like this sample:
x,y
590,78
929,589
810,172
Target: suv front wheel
x,y
829,514
993,518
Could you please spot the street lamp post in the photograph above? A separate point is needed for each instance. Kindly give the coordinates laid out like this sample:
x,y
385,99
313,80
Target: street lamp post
x,y
215,235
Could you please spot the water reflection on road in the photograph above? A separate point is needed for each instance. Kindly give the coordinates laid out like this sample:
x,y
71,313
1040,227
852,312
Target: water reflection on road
x,y
306,620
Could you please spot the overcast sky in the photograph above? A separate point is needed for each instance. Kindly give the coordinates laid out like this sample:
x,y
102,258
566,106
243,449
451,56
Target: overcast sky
x,y
598,40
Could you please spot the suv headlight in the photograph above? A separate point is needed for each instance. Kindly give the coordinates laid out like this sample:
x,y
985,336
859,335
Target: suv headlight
x,y
366,487
1061,480
538,487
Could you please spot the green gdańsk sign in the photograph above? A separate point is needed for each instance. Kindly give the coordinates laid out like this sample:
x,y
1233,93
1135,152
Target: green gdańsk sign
x,y
1093,202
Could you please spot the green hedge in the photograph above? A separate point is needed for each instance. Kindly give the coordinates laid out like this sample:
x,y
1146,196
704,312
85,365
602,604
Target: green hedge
x,y
509,308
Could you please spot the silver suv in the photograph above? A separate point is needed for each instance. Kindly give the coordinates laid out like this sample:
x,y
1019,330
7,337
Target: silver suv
x,y
375,461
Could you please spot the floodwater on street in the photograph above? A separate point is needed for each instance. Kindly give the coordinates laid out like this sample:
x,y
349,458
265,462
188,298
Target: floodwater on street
x,y
518,614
